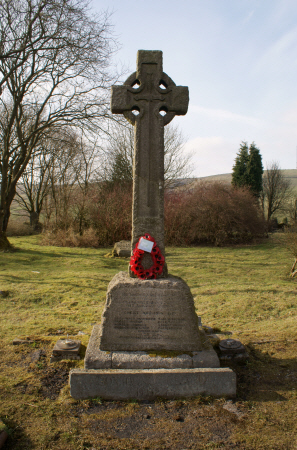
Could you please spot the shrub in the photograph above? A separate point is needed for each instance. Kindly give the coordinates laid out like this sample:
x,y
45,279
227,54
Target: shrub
x,y
212,213
111,213
106,219
70,238
209,213
18,227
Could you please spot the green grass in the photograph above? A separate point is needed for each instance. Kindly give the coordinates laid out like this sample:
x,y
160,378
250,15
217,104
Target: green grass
x,y
57,291
52,288
247,289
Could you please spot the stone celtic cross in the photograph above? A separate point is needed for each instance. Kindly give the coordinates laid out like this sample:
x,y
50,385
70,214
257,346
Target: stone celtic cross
x,y
149,100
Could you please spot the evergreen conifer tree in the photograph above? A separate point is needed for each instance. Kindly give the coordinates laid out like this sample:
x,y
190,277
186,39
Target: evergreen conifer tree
x,y
248,168
255,170
239,173
121,170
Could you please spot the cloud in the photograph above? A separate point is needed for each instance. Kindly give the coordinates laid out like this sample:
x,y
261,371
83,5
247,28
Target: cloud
x,y
211,155
289,117
248,17
279,54
221,114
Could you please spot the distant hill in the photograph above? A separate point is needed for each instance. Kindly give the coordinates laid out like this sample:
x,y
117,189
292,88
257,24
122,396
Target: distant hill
x,y
290,174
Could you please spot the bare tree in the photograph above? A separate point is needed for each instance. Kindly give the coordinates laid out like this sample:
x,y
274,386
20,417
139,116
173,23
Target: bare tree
x,y
62,180
117,167
38,181
34,183
54,72
119,155
276,191
85,163
16,40
177,163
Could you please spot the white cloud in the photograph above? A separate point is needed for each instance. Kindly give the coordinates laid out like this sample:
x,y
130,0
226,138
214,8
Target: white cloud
x,y
289,117
279,54
221,114
211,155
248,17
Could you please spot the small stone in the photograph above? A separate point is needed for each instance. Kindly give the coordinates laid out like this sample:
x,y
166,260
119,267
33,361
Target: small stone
x,y
18,341
232,408
36,355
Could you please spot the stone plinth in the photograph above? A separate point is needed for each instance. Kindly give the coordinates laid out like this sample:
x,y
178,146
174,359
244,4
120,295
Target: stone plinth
x,y
100,359
151,384
149,315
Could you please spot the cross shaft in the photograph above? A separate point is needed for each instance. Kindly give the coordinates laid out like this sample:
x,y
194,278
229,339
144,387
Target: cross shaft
x,y
149,99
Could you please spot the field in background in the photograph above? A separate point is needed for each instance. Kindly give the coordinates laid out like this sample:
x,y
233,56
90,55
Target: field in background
x,y
289,174
49,292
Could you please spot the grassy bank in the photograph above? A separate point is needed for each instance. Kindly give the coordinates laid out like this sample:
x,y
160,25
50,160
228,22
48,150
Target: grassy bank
x,y
49,292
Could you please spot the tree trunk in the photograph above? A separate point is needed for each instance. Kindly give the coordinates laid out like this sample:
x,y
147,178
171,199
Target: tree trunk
x,y
293,271
5,220
34,221
4,242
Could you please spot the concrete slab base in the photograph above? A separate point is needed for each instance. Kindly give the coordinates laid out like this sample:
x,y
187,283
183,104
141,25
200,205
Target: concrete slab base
x,y
124,384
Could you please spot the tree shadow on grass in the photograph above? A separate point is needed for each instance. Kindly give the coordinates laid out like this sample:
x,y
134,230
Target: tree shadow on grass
x,y
42,256
17,438
263,377
45,253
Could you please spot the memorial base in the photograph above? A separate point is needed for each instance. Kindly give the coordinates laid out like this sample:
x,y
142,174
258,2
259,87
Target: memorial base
x,y
150,345
150,359
150,384
148,375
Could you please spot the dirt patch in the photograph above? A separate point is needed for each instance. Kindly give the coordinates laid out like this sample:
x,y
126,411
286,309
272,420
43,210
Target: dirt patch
x,y
159,425
53,380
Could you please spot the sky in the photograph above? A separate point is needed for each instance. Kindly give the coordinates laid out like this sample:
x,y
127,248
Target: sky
x,y
239,61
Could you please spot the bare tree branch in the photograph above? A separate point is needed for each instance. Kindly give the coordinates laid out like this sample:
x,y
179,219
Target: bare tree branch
x,y
276,191
120,148
54,71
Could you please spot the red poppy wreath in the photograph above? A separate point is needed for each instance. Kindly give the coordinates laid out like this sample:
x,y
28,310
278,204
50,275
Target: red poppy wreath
x,y
157,257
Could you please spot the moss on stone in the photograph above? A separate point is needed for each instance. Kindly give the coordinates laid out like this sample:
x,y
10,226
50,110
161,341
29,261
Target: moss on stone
x,y
167,353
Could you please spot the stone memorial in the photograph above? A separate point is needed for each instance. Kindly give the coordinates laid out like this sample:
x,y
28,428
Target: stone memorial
x,y
149,343
122,249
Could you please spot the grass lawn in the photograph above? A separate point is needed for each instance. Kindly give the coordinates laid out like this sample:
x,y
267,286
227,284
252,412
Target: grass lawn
x,y
49,292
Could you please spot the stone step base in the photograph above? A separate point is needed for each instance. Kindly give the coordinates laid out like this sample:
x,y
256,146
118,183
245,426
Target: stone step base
x,y
125,384
98,359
